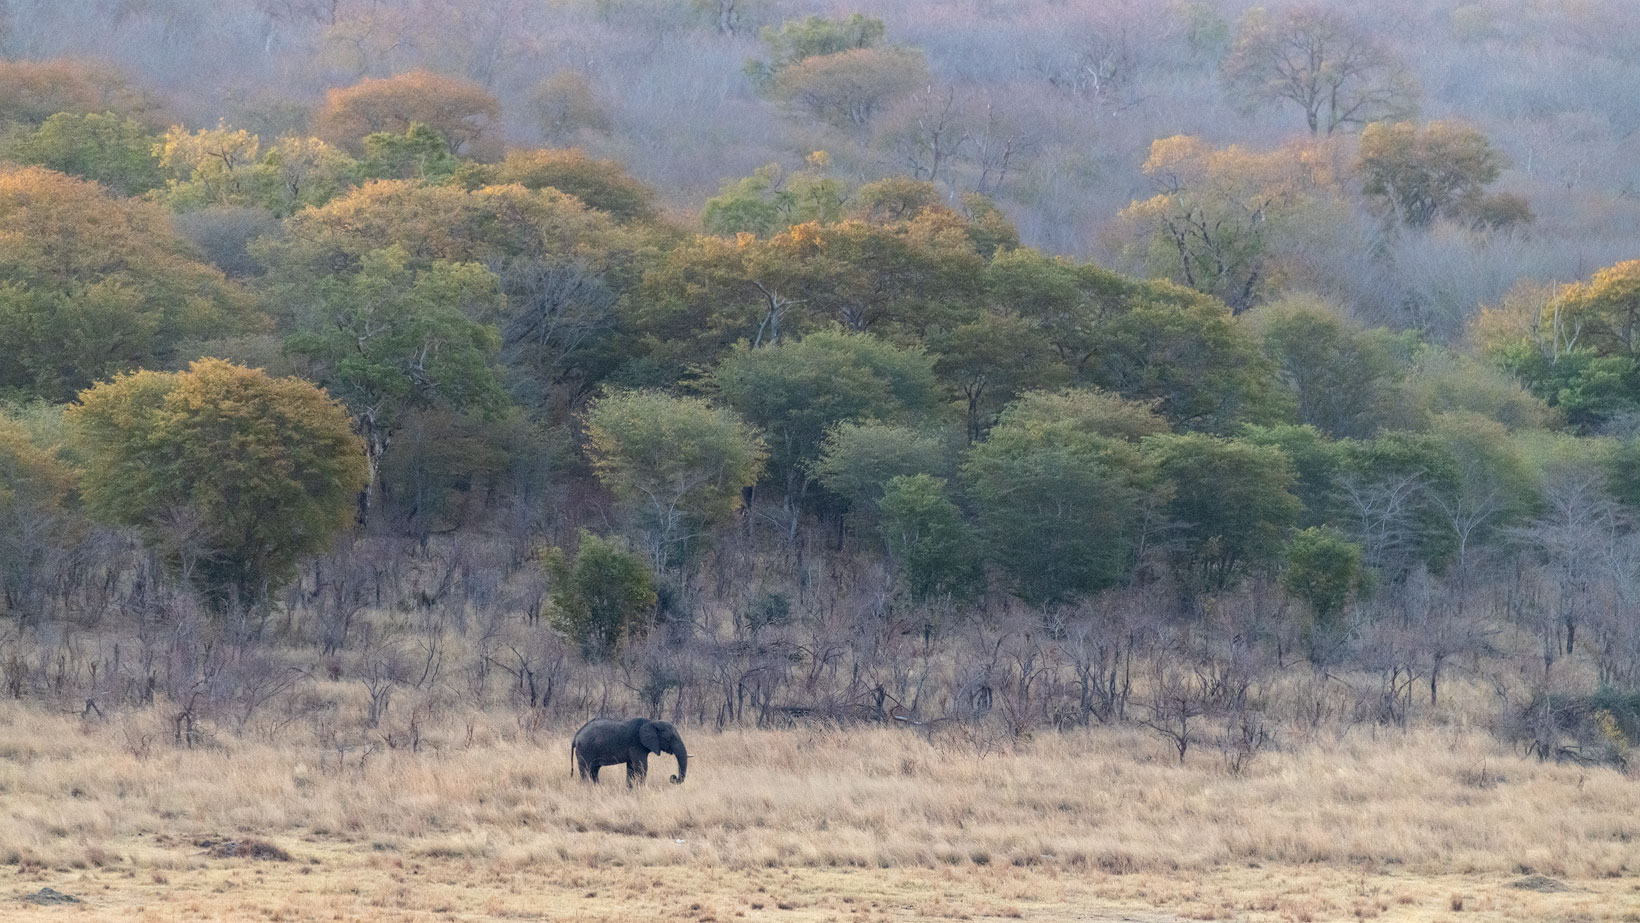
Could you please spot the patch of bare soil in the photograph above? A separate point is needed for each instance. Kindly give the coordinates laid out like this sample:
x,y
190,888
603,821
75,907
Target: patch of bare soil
x,y
249,848
1540,883
47,896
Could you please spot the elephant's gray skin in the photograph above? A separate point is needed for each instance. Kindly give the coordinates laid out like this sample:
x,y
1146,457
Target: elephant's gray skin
x,y
604,742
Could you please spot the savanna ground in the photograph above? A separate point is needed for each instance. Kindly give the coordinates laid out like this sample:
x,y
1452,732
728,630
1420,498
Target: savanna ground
x,y
482,821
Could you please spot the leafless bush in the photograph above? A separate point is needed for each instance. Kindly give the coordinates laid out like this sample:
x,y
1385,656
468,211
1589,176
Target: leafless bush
x,y
1176,699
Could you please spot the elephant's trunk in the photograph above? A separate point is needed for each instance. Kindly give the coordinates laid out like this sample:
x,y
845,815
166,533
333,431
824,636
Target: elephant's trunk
x,y
682,753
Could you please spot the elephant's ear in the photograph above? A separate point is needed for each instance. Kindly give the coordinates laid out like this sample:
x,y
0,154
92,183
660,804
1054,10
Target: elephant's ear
x,y
648,737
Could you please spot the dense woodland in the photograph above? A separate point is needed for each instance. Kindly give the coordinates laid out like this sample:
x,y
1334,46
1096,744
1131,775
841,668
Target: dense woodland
x,y
1240,372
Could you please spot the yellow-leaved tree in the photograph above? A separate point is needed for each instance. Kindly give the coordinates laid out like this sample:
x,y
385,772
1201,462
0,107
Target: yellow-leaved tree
x,y
232,474
1218,214
91,286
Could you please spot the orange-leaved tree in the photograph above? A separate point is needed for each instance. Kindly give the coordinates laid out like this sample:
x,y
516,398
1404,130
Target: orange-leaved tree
x,y
33,91
466,115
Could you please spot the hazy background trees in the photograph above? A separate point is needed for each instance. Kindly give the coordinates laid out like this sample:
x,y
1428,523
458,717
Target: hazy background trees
x,y
1070,94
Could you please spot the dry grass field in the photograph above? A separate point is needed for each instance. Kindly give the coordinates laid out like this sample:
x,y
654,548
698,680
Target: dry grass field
x,y
483,821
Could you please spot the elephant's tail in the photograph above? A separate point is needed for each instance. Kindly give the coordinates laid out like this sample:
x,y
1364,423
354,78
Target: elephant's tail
x,y
572,760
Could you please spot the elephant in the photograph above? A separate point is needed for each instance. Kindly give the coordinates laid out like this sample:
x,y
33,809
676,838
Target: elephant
x,y
605,742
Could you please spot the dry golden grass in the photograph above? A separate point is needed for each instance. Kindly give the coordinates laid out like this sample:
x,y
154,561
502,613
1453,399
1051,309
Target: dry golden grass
x,y
332,882
485,821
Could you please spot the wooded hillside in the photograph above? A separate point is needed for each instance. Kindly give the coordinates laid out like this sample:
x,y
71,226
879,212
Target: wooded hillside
x,y
1022,364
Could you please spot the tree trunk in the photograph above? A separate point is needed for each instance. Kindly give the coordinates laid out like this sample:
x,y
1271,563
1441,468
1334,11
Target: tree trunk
x,y
375,446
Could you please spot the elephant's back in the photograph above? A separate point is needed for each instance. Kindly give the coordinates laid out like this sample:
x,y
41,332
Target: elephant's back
x,y
596,725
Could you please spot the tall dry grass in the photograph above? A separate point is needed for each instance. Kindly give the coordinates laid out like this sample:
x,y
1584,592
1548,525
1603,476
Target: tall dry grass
x,y
1432,801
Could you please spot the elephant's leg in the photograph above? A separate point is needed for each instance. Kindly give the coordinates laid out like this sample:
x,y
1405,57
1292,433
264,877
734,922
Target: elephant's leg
x,y
594,770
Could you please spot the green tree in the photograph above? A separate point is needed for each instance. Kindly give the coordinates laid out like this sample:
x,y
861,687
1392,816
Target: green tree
x,y
933,551
1341,378
493,225
1438,171
797,390
1494,488
1576,346
418,153
1603,313
903,282
604,597
561,265
1075,413
391,339
110,149
263,471
677,464
1231,505
1446,381
226,167
1318,463
894,199
772,200
1589,388
211,166
1314,57
1061,495
1324,572
988,362
705,295
857,460
1066,301
298,172
37,521
1059,521
1188,358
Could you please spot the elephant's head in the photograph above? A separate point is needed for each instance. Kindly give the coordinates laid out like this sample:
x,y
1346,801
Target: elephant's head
x,y
662,737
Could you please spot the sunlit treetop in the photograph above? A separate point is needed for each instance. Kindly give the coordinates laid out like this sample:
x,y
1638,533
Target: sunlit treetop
x,y
1439,170
33,91
462,111
601,184
489,225
91,285
267,469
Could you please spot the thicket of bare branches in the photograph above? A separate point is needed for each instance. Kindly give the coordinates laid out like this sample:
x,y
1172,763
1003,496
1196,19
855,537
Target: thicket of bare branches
x,y
388,632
